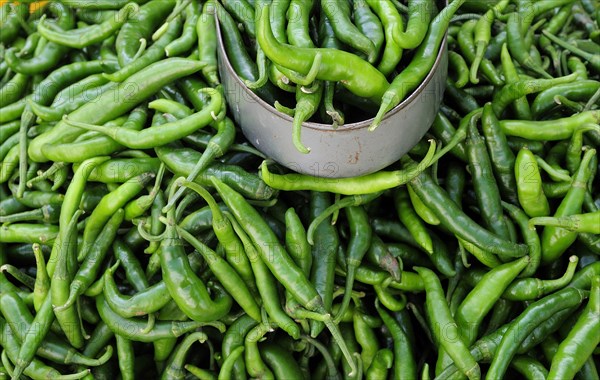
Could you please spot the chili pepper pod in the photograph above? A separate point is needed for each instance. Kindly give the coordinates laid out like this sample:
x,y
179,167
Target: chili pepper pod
x,y
484,183
144,302
421,64
206,29
556,240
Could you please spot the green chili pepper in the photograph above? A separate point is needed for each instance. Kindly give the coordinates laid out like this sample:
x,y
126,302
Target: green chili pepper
x,y
189,36
392,22
157,135
88,270
486,189
439,314
321,63
515,90
280,361
420,65
174,366
556,240
132,328
227,276
189,292
358,245
140,28
339,13
420,13
365,20
549,130
534,315
348,186
144,302
108,206
468,48
206,28
493,284
529,185
411,221
83,37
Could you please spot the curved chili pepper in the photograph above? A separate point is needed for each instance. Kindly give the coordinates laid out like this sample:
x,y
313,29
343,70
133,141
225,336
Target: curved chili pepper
x,y
420,13
185,287
83,37
339,13
466,43
140,27
556,240
493,284
174,366
420,65
549,130
513,91
357,76
392,22
231,281
254,363
189,36
132,328
348,186
157,135
459,66
535,314
144,302
280,361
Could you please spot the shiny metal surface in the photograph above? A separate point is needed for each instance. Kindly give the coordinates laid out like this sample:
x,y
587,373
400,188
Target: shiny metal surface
x,y
350,150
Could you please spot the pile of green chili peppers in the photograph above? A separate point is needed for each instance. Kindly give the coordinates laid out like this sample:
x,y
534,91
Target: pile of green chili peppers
x,y
143,237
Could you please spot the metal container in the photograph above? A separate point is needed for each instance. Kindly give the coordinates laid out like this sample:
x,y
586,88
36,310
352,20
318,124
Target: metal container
x,y
348,151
